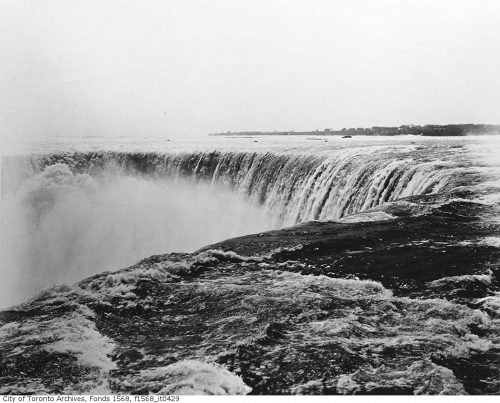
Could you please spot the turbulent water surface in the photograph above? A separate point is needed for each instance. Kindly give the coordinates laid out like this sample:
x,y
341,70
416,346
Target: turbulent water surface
x,y
373,267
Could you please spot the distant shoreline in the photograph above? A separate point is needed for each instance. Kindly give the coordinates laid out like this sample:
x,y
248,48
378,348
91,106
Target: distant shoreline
x,y
425,130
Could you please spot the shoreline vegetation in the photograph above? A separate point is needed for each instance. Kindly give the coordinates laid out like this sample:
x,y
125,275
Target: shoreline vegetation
x,y
418,130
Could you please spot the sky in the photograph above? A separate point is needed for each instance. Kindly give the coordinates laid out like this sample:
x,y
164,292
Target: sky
x,y
187,68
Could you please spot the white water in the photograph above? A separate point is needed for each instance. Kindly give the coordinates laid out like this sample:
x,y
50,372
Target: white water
x,y
59,227
71,331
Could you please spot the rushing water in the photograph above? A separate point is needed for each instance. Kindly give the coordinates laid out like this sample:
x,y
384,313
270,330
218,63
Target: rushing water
x,y
394,280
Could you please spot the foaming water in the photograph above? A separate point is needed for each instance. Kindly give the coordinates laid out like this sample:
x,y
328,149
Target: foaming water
x,y
283,330
191,377
393,289
59,226
67,215
68,329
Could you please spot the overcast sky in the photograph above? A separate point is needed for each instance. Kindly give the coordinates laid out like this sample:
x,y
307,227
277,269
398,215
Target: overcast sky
x,y
173,68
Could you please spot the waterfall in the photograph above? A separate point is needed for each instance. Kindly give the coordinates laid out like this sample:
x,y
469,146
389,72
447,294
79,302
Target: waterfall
x,y
70,215
293,188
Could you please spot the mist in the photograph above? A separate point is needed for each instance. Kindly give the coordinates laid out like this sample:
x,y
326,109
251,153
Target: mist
x,y
60,227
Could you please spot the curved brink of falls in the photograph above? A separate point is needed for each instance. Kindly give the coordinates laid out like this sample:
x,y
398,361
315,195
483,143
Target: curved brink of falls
x,y
294,188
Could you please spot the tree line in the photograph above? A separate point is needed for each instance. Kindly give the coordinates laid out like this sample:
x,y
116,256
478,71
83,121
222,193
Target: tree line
x,y
419,130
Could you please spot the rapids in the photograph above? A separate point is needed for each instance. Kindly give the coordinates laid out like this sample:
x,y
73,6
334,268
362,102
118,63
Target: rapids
x,y
373,268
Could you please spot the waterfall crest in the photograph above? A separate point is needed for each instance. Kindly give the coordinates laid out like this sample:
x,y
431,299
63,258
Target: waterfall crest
x,y
293,188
